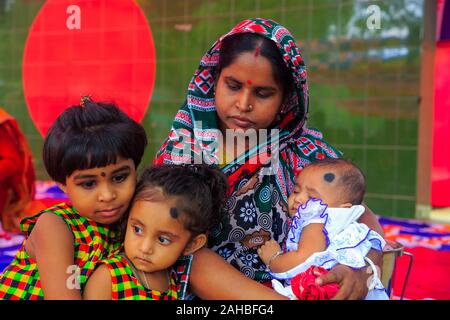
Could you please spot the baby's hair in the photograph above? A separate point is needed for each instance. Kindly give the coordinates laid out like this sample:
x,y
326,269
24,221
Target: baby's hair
x,y
90,135
199,191
350,178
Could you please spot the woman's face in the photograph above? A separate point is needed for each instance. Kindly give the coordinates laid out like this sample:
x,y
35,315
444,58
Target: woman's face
x,y
247,96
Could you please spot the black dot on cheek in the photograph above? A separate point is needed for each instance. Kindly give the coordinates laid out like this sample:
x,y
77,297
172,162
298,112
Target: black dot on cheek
x,y
174,213
329,177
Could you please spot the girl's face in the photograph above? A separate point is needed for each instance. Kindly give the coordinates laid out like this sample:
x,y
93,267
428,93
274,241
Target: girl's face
x,y
154,239
102,194
247,96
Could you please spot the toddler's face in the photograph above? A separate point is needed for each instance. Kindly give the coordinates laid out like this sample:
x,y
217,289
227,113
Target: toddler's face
x,y
316,182
102,194
154,238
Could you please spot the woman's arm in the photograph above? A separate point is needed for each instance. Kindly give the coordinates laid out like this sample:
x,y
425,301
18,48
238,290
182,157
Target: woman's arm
x,y
371,220
99,285
312,240
214,278
51,246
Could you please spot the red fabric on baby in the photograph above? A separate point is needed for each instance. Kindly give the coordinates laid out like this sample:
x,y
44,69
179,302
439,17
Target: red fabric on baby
x,y
305,288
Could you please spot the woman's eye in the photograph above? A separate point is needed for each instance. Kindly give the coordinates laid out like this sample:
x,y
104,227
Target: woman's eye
x,y
119,178
233,87
137,230
88,184
164,240
263,94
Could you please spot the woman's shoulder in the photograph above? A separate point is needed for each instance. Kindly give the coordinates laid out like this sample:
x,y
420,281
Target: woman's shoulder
x,y
307,148
314,142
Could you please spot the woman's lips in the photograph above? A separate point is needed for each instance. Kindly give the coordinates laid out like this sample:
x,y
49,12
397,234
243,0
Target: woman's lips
x,y
242,122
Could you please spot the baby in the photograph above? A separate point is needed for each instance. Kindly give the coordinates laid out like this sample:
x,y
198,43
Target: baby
x,y
325,207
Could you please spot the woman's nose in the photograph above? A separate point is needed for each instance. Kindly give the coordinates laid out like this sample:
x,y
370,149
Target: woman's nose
x,y
243,102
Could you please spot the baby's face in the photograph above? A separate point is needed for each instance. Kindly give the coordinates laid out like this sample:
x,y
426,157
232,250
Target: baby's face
x,y
102,194
316,182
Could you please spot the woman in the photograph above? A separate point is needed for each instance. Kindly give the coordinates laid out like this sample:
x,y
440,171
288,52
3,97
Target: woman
x,y
16,173
251,86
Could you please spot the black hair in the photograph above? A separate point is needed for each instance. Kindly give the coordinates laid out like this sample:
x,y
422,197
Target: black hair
x,y
199,191
351,180
91,135
236,44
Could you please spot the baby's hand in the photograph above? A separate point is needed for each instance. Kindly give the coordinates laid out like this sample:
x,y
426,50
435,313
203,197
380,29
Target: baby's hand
x,y
268,250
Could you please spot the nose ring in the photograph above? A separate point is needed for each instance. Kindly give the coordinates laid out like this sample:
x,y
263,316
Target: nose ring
x,y
250,107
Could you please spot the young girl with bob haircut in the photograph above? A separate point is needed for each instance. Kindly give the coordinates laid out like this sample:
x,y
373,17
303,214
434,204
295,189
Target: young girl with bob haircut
x,y
92,152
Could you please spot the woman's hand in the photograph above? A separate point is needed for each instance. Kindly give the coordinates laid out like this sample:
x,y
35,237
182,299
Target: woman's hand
x,y
353,283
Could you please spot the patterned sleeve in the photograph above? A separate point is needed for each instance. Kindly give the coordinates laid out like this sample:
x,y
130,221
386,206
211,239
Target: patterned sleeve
x,y
182,270
314,211
312,146
309,147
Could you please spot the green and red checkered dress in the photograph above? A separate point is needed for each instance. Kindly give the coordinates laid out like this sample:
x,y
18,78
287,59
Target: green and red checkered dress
x,y
92,242
126,286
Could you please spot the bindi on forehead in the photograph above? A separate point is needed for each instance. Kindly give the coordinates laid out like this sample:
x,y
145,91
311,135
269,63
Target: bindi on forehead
x,y
174,213
249,82
102,174
329,177
257,51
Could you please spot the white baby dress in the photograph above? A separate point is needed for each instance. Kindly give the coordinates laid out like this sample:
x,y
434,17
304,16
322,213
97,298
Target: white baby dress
x,y
348,242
